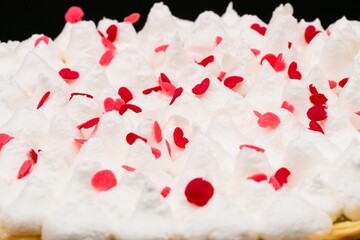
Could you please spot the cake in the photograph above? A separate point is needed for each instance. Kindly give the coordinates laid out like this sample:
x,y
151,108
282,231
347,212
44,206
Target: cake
x,y
226,127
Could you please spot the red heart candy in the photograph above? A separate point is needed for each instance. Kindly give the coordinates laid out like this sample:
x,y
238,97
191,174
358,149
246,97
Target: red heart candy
x,y
74,14
112,32
293,73
201,88
310,33
199,191
103,180
179,138
132,18
258,28
276,62
68,74
232,81
111,104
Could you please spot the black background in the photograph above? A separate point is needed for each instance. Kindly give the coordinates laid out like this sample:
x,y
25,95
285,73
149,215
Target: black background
x,y
19,19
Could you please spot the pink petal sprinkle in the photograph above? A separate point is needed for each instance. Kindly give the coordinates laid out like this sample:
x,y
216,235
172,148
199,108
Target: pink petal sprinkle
x,y
106,58
317,112
111,104
168,147
103,180
108,44
43,99
276,185
256,52
166,86
45,39
315,126
112,32
80,140
293,73
25,168
157,132
200,88
125,94
357,113
132,18
261,30
161,48
68,74
132,137
343,82
4,139
150,90
206,61
332,84
165,191
33,155
232,81
256,148
310,33
218,40
179,138
276,62
221,76
80,94
177,93
258,177
128,168
90,123
286,105
156,152
268,120
74,14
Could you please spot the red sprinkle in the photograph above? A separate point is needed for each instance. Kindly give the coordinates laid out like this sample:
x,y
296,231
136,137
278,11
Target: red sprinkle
x,y
317,112
256,52
33,155
276,185
164,78
132,137
343,82
111,104
179,138
128,168
310,33
276,62
201,88
206,61
282,175
125,94
293,73
108,44
80,94
103,180
289,45
68,74
261,30
313,89
156,152
45,39
165,191
315,126
127,106
25,168
166,86
318,98
268,120
177,93
150,90
90,123
232,81
74,14
161,48
112,32
43,99
258,149
199,191
106,58
132,18
168,147
218,40
332,84
157,132
258,177
286,105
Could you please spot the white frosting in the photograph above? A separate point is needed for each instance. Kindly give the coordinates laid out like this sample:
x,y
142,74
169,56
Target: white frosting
x,y
57,200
